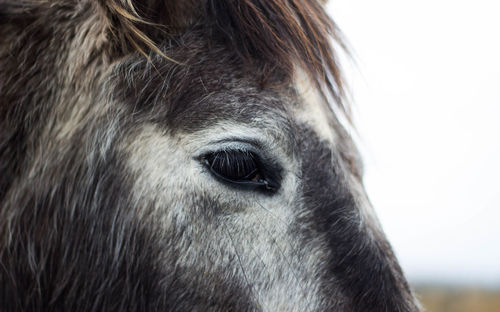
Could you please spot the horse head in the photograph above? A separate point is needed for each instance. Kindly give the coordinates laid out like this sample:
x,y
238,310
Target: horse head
x,y
182,156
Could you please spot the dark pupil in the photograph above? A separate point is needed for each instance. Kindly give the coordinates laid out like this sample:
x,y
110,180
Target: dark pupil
x,y
234,165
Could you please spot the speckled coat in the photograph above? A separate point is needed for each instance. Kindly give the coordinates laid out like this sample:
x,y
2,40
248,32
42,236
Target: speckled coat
x,y
126,128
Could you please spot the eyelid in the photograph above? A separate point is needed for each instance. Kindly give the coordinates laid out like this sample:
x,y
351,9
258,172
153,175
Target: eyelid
x,y
251,145
254,143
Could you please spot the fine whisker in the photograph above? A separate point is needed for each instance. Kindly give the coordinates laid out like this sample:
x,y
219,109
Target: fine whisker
x,y
240,263
294,252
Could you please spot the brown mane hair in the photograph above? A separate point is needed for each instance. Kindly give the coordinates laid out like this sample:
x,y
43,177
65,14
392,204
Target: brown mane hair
x,y
276,34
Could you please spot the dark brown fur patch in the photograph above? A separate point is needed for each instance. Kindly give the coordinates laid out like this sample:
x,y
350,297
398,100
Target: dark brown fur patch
x,y
267,35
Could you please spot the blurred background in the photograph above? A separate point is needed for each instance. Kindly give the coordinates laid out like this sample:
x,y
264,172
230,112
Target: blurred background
x,y
426,88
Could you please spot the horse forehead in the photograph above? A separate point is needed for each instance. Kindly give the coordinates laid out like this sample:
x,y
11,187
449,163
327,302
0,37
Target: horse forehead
x,y
246,110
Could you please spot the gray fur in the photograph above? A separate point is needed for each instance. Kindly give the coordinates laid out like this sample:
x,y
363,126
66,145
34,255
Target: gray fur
x,y
105,204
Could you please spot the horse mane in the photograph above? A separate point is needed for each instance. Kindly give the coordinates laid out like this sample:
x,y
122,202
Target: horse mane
x,y
273,34
267,34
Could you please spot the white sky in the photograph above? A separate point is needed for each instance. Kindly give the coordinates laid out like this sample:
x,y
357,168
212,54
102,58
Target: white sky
x,y
427,91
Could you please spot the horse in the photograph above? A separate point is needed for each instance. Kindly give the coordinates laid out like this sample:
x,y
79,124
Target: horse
x,y
195,155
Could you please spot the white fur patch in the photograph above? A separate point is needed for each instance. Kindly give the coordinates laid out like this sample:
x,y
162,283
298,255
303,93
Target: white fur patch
x,y
314,110
251,240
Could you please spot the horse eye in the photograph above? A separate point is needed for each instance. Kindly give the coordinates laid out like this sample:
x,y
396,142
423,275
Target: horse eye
x,y
239,168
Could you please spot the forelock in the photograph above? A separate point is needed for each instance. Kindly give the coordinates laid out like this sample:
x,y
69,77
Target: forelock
x,y
266,34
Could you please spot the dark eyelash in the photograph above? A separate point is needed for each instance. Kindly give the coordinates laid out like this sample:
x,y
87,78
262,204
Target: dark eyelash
x,y
238,165
239,168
